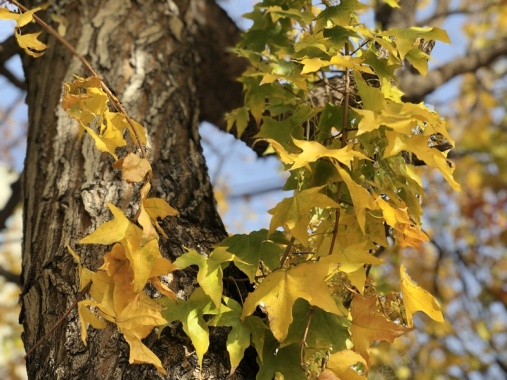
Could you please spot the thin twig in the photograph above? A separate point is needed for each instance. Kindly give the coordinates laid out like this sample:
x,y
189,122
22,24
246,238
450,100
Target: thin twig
x,y
74,304
87,64
343,139
287,251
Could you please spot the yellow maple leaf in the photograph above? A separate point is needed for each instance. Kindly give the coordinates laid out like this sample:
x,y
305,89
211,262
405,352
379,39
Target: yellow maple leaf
x,y
417,299
311,65
361,198
157,208
109,232
406,232
119,122
368,325
28,42
353,257
419,146
294,213
119,269
140,353
281,288
108,141
142,256
341,362
135,322
313,150
86,316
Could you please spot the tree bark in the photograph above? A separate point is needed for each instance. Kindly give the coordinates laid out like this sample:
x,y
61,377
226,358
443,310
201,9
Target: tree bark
x,y
145,52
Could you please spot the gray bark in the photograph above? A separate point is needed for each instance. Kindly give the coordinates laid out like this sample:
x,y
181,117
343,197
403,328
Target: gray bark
x,y
146,52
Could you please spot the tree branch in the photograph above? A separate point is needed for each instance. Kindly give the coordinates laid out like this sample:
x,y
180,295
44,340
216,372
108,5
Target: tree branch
x,y
8,48
218,88
443,11
10,276
402,17
416,87
11,203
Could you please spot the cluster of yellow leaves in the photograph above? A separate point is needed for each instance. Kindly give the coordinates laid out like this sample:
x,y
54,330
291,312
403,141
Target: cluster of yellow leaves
x,y
29,42
86,101
117,287
351,170
135,259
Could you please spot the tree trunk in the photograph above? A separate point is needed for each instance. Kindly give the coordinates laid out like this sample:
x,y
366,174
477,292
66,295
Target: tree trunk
x,y
145,52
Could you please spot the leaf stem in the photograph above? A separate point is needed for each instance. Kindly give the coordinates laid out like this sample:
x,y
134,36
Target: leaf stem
x,y
303,341
343,139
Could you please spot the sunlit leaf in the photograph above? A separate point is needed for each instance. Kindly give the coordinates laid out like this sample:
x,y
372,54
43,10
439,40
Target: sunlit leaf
x,y
281,288
417,299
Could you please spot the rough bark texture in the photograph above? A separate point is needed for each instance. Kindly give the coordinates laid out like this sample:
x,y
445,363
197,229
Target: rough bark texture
x,y
145,51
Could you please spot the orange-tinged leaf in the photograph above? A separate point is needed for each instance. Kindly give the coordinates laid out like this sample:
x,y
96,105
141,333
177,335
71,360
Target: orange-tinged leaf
x,y
109,232
341,362
417,299
149,231
368,325
140,316
406,232
135,322
119,269
162,266
163,288
158,208
134,168
281,288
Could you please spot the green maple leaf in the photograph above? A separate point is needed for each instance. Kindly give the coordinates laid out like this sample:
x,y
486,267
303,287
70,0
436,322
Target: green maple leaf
x,y
210,271
238,339
326,331
282,360
190,314
340,15
250,249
